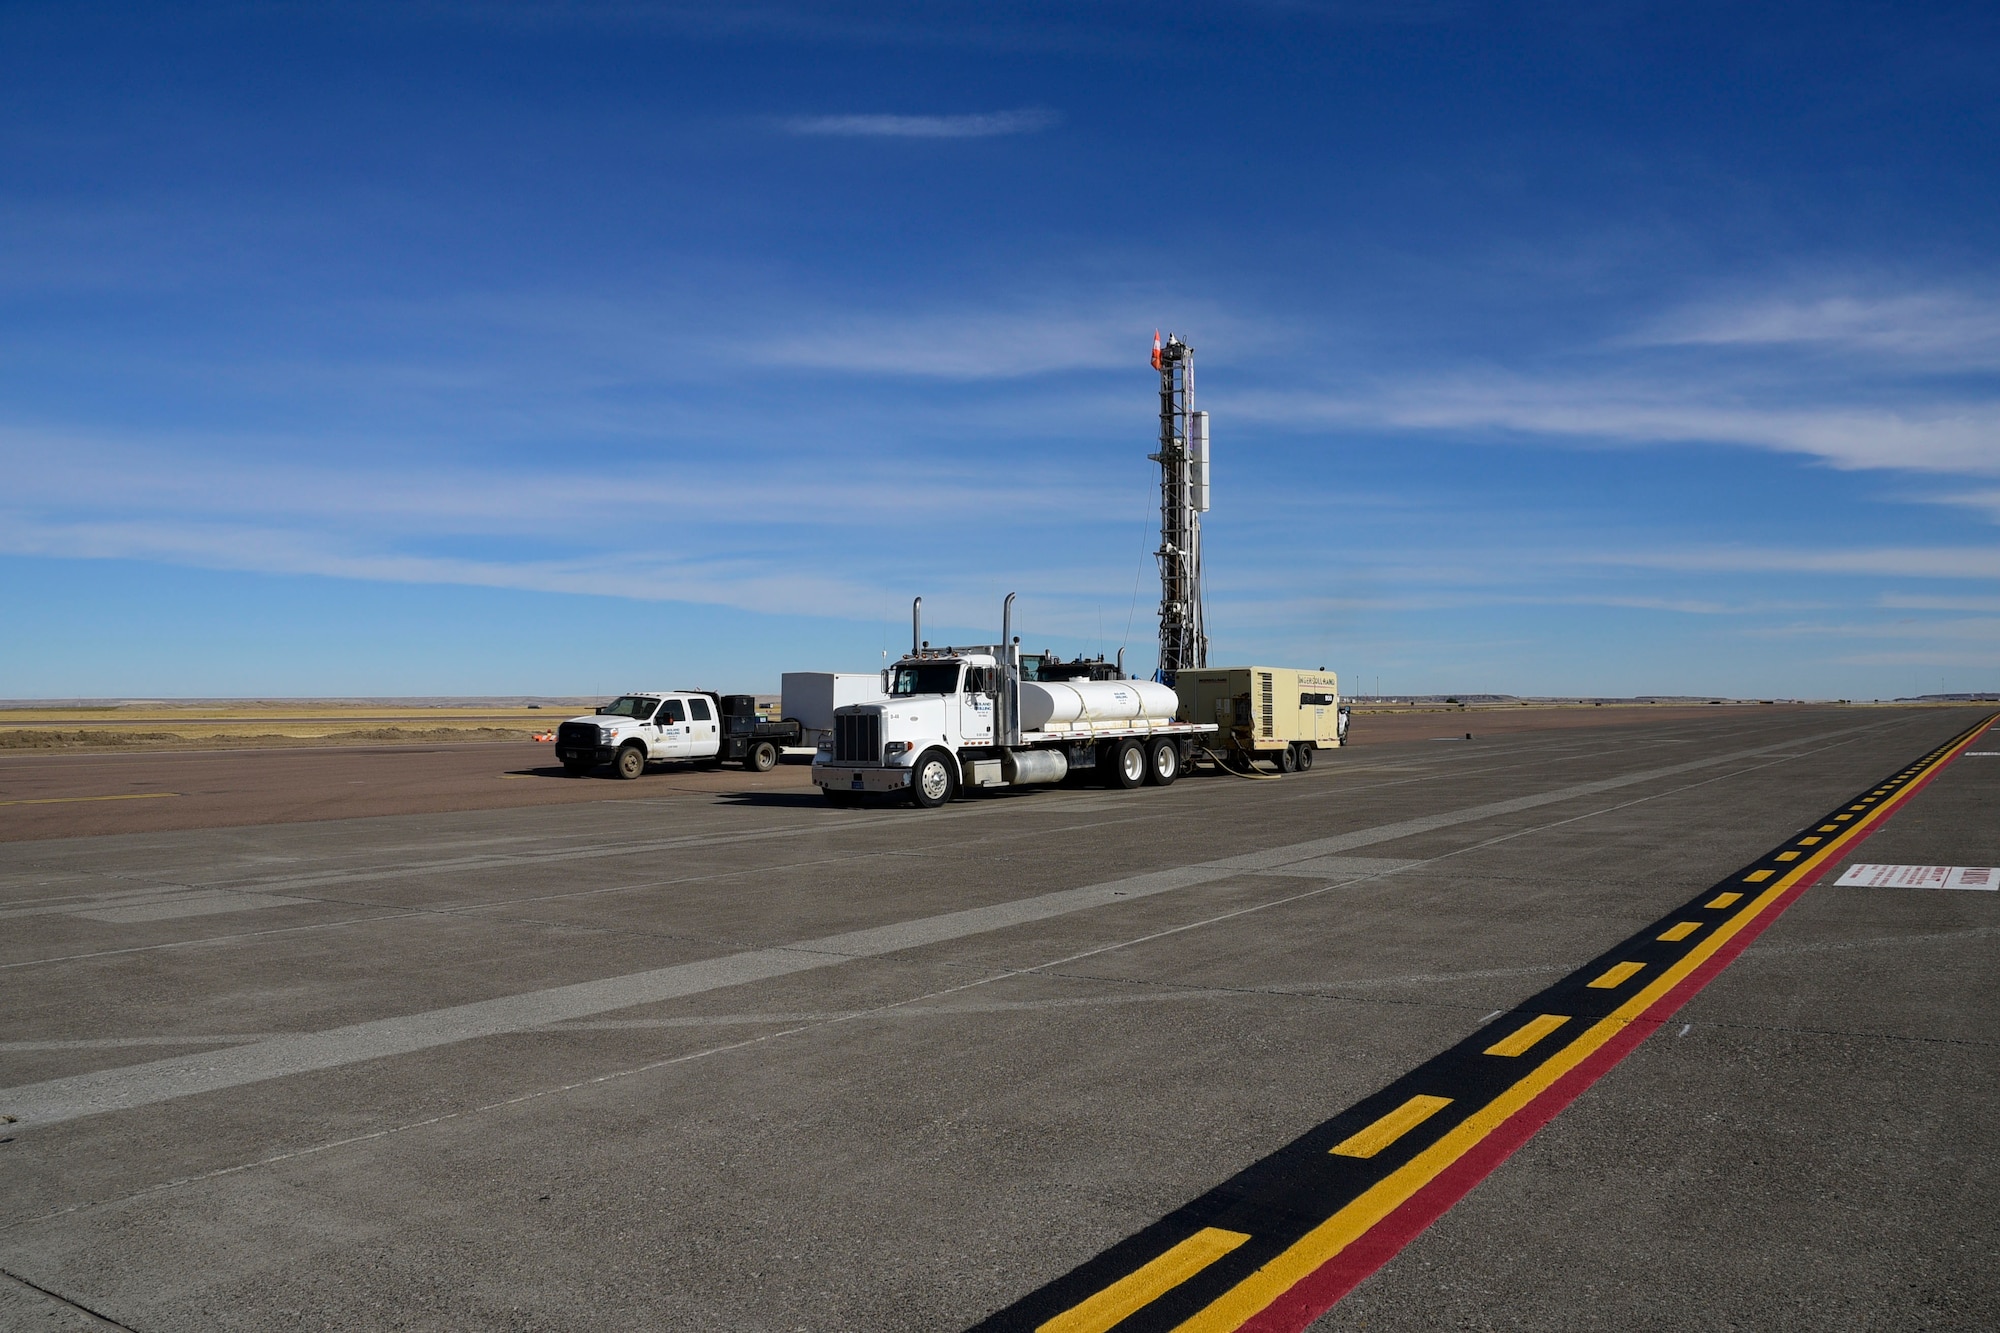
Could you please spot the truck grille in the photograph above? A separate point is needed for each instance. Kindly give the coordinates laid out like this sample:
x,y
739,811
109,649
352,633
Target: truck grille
x,y
857,738
579,735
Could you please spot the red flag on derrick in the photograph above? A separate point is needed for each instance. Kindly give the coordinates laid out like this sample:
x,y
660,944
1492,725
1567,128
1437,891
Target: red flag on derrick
x,y
1156,349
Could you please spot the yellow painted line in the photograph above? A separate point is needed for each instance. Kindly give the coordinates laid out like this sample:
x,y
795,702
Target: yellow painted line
x,y
1390,1127
1617,975
73,800
1680,932
1828,828
1809,842
1142,1287
1311,1251
1787,856
1722,900
1758,876
1528,1036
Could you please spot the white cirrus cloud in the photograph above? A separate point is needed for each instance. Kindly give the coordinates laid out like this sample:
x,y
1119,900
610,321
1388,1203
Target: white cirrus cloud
x,y
1931,562
1961,438
976,125
1952,327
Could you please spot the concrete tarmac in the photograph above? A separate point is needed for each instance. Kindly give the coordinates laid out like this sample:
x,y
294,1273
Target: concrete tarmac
x,y
721,1057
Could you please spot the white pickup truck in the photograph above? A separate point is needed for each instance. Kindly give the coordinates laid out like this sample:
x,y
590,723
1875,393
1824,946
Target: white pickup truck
x,y
636,729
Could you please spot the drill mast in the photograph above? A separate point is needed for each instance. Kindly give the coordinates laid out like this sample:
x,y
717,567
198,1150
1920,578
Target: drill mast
x,y
1183,460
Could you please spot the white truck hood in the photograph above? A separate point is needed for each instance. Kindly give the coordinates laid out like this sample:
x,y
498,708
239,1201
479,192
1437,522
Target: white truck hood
x,y
915,717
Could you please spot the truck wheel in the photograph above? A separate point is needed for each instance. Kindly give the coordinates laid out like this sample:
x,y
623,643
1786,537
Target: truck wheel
x,y
630,763
1305,756
1127,768
762,758
576,768
932,783
1287,760
1163,764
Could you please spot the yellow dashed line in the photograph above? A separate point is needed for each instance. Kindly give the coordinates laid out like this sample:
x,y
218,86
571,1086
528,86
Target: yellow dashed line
x,y
1788,856
1617,975
1390,1127
1758,876
1109,1307
1533,1032
1679,932
1721,900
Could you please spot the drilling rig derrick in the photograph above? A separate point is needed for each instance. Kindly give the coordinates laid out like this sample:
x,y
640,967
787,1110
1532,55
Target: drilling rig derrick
x,y
1183,460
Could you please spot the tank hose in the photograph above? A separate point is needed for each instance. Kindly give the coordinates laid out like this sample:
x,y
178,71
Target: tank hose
x,y
1241,773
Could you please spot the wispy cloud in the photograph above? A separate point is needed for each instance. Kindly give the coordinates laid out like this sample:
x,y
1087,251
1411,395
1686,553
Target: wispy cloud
x,y
1960,438
970,344
977,125
1953,328
1932,562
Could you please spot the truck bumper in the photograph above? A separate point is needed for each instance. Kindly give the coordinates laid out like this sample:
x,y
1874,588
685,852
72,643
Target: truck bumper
x,y
590,754
851,777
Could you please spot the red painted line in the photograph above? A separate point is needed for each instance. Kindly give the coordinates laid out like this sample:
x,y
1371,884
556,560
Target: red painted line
x,y
1317,1293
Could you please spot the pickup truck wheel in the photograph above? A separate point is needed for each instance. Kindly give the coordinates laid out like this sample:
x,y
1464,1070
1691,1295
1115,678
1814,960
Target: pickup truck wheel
x,y
630,763
1163,763
576,768
1305,756
1127,768
761,758
932,783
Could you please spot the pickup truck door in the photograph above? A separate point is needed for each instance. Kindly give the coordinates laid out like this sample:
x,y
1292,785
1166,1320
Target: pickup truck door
x,y
704,729
671,731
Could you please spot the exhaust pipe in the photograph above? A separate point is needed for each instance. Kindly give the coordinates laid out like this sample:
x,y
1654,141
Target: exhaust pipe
x,y
1121,664
1007,726
916,626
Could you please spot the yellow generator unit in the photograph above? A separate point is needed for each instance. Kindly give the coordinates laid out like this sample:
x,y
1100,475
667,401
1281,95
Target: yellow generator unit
x,y
1277,713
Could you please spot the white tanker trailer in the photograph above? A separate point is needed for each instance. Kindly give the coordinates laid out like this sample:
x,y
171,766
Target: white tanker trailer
x,y
965,717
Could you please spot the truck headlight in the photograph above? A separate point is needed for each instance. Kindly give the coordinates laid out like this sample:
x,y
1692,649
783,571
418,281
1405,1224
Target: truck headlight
x,y
894,748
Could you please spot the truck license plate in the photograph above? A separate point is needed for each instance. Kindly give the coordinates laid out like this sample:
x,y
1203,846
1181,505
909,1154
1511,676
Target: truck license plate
x,y
856,785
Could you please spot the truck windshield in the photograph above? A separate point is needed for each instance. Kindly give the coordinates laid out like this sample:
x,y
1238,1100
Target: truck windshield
x,y
629,705
930,678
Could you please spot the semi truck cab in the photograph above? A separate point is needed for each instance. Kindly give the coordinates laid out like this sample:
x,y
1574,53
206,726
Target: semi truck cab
x,y
947,702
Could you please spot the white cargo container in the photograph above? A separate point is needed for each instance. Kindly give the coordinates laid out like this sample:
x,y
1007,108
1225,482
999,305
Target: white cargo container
x,y
810,697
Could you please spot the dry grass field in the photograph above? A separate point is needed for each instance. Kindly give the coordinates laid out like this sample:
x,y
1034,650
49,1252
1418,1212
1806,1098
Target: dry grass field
x,y
211,724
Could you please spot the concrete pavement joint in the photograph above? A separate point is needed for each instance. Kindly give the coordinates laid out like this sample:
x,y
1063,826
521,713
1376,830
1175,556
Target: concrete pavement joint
x,y
106,1320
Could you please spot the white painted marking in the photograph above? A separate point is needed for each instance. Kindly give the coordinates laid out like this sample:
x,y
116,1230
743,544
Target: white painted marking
x,y
1920,877
192,904
120,1089
1343,867
1982,754
112,1043
1686,1028
1490,1017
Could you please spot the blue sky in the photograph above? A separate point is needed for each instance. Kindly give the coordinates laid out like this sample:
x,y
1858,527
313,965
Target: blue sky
x,y
555,348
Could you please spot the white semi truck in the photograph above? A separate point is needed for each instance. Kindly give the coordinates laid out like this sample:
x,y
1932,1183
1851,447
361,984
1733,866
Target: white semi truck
x,y
967,717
